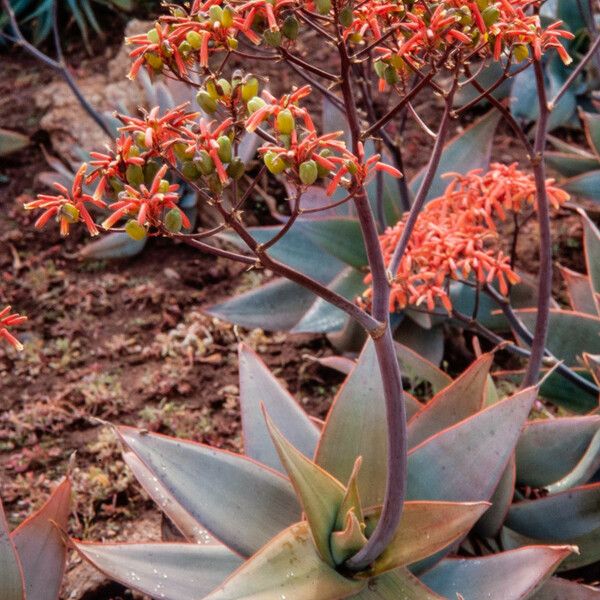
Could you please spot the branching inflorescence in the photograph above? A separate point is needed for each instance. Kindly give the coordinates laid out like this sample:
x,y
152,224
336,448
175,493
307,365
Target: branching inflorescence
x,y
407,47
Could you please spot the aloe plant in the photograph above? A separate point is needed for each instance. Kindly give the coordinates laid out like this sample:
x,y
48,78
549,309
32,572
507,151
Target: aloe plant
x,y
12,141
580,167
281,520
33,556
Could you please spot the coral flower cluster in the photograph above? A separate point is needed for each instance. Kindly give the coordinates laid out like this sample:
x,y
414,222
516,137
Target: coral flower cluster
x,y
455,236
8,319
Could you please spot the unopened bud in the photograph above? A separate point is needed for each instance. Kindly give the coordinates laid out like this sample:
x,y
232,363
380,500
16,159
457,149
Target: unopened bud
x,y
308,172
323,6
194,39
255,104
346,16
290,27
236,168
274,163
135,231
249,88
134,175
206,102
272,37
69,212
205,163
173,221
285,122
224,150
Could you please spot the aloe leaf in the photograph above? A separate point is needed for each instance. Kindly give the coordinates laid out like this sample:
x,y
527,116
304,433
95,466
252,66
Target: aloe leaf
x,y
591,241
351,500
400,583
296,250
424,529
571,165
275,306
549,449
39,543
565,148
239,501
321,494
12,141
585,186
322,316
170,571
469,150
11,573
113,246
491,522
570,333
558,517
511,575
355,427
183,520
429,343
591,128
556,588
579,289
414,366
465,462
259,387
289,566
461,399
348,540
339,237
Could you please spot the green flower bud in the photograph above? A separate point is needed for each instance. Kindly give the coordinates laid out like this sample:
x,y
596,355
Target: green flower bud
x,y
154,60
69,212
351,166
285,121
224,150
323,171
223,87
390,75
215,14
205,163
163,186
356,38
272,38
323,6
211,88
290,27
135,230
236,168
249,88
490,15
286,140
215,185
181,152
308,172
346,16
190,170
227,17
116,184
483,4
153,36
520,52
150,170
380,68
134,175
194,39
140,139
206,102
173,221
255,104
274,163
232,43
184,48
465,16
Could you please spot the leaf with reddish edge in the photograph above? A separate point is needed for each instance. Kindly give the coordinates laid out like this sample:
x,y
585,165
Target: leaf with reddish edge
x,y
557,588
39,543
591,242
414,366
171,571
571,165
591,128
258,386
465,462
424,529
321,494
470,149
12,585
428,343
289,566
558,517
579,289
513,575
355,426
491,523
185,523
461,399
585,186
400,583
238,500
569,334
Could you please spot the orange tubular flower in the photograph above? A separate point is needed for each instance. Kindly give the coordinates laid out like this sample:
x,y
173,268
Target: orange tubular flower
x,y
455,236
362,171
268,9
68,207
10,320
147,205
